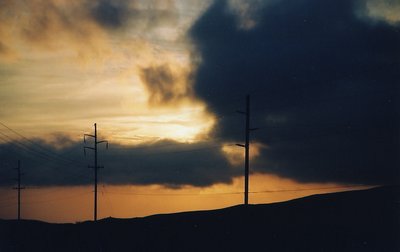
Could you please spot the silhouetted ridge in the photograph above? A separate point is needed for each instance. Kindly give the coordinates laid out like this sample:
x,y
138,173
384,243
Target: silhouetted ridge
x,y
365,220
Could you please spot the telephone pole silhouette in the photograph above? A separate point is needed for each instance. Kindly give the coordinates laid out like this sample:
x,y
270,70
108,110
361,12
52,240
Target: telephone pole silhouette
x,y
95,167
246,147
19,188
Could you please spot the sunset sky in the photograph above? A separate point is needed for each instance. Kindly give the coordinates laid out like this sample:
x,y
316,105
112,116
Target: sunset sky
x,y
163,80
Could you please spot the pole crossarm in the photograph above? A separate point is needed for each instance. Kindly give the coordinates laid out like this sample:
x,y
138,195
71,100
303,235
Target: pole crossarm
x,y
87,135
93,167
103,141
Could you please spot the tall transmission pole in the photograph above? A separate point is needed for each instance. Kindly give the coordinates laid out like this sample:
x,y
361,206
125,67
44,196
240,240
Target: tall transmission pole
x,y
246,147
95,167
19,188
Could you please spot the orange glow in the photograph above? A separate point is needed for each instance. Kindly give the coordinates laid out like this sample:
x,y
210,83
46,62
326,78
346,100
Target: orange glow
x,y
71,204
235,154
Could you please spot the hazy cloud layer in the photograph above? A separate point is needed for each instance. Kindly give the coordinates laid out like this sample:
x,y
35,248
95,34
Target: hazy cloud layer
x,y
87,26
167,163
323,83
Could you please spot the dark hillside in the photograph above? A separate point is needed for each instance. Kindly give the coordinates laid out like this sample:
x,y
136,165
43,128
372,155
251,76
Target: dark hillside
x,y
367,220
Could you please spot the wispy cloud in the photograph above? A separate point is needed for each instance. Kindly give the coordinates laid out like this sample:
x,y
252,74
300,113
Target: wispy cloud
x,y
74,63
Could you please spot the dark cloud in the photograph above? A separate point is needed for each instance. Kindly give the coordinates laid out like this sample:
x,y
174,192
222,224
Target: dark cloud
x,y
171,164
114,14
323,83
163,85
110,13
166,163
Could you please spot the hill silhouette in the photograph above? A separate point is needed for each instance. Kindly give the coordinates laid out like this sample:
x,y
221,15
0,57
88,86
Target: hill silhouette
x,y
365,220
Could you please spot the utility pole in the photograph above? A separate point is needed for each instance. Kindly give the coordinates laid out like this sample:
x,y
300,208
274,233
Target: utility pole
x,y
246,147
19,188
95,167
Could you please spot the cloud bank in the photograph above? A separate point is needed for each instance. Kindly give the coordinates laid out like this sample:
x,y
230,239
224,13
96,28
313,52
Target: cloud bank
x,y
163,162
323,83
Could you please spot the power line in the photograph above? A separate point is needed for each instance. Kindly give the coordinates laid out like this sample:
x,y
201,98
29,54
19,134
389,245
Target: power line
x,y
27,148
186,194
38,154
57,199
104,191
232,193
75,195
44,150
8,205
12,198
309,189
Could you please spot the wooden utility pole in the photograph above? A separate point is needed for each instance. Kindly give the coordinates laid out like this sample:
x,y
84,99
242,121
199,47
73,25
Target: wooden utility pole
x,y
19,188
95,167
246,147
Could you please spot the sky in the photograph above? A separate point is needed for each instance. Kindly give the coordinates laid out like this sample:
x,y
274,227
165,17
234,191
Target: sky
x,y
164,80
